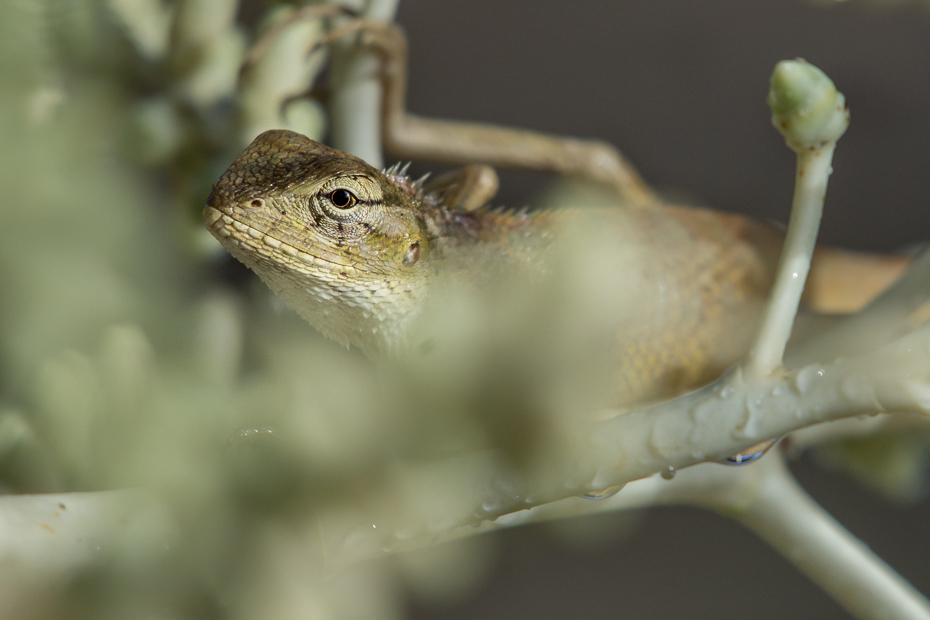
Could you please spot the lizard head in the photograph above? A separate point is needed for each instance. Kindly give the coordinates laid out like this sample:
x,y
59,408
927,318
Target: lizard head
x,y
344,244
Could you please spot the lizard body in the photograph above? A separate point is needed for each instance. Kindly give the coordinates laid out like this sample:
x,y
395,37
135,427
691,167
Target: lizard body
x,y
354,251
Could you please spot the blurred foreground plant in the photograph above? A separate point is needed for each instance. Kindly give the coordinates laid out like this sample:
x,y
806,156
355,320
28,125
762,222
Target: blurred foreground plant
x,y
266,463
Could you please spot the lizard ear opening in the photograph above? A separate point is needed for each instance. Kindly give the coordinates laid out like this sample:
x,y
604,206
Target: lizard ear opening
x,y
412,255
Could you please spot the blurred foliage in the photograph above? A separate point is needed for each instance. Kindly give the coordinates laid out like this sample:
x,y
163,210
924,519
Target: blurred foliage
x,y
894,462
134,353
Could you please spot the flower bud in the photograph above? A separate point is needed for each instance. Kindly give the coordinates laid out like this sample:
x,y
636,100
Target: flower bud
x,y
806,107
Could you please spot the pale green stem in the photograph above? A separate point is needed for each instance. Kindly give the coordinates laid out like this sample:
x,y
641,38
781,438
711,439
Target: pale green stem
x,y
813,170
785,516
355,108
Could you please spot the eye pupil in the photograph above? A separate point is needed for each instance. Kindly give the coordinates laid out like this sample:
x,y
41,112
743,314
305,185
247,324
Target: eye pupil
x,y
342,198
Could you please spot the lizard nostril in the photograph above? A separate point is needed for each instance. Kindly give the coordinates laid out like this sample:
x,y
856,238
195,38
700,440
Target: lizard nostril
x,y
412,255
258,203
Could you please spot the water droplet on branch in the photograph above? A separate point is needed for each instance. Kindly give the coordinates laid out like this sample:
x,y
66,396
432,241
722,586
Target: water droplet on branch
x,y
604,493
751,453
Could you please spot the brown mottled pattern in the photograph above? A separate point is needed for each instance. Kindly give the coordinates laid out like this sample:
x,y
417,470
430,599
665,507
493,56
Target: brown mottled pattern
x,y
714,276
275,161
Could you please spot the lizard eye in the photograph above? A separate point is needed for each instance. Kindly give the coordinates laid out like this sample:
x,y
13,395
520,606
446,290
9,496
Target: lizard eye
x,y
343,198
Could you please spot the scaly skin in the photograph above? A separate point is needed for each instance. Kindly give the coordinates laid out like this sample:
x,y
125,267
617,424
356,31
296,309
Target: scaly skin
x,y
361,272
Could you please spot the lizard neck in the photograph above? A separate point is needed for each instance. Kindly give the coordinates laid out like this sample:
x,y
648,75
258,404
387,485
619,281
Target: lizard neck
x,y
498,233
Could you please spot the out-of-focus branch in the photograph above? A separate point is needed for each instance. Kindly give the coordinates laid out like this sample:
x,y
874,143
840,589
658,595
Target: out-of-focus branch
x,y
355,107
803,532
44,539
726,417
766,499
206,50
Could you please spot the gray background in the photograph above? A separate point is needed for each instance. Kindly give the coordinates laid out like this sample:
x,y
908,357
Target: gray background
x,y
679,86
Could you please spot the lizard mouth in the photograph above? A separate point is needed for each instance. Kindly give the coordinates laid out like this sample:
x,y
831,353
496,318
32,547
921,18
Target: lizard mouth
x,y
233,235
230,231
224,227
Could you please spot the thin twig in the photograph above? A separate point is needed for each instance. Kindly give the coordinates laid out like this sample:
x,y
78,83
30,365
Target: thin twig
x,y
782,513
813,169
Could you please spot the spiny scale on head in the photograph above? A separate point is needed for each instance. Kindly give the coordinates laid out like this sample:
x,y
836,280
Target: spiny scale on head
x,y
392,171
505,210
419,183
397,174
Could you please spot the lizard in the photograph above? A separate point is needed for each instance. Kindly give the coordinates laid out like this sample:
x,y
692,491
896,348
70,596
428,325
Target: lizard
x,y
355,251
